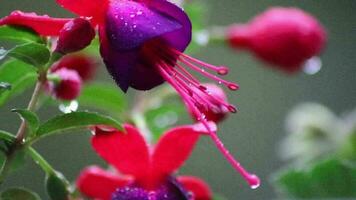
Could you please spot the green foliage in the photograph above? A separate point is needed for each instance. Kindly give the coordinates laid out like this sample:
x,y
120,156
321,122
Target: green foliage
x,y
18,194
103,96
56,186
75,120
330,178
31,119
31,53
19,34
6,136
19,74
4,87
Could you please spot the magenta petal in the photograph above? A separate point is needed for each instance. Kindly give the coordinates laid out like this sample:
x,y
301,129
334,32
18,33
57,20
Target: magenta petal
x,y
129,24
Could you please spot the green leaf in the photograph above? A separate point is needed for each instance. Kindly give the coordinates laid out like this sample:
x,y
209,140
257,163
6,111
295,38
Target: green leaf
x,y
327,179
31,119
18,34
56,186
75,120
6,136
104,97
31,53
4,86
20,75
18,194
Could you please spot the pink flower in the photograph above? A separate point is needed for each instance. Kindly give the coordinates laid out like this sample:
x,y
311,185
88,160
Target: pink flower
x,y
284,37
69,85
143,170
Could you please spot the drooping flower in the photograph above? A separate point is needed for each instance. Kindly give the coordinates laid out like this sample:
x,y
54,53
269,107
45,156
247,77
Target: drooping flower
x,y
85,66
283,37
69,85
142,44
144,172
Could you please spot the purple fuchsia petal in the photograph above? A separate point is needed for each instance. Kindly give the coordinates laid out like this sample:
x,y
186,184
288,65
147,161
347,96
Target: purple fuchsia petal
x,y
127,151
97,183
42,24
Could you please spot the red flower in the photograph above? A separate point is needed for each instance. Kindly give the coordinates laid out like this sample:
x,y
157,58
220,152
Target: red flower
x,y
144,169
284,37
84,65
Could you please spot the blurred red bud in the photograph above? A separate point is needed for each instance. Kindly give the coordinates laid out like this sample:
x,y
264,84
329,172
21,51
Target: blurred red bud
x,y
69,86
84,65
284,37
75,36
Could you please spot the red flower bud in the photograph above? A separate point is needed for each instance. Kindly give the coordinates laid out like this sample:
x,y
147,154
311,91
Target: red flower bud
x,y
75,36
69,85
84,65
285,37
215,113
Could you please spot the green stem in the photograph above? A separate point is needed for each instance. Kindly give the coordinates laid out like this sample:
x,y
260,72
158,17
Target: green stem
x,y
41,161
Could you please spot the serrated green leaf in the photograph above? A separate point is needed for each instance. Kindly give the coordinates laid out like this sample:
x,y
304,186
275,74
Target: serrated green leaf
x,y
104,97
327,179
18,194
31,119
19,74
56,187
31,53
18,34
75,120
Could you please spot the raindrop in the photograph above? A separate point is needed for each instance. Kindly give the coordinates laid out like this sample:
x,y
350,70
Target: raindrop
x,y
312,66
69,107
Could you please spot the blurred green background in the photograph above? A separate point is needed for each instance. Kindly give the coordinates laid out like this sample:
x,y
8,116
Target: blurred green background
x,y
265,98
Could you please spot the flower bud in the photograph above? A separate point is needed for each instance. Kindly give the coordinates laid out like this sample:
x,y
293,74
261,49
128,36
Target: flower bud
x,y
69,85
215,113
284,37
75,36
84,65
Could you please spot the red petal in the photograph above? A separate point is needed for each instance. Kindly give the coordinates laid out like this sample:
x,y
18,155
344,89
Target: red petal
x,y
89,8
43,25
95,182
174,148
197,186
128,151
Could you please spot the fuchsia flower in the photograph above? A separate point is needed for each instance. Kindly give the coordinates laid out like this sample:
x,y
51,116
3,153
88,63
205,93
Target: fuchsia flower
x,y
144,172
284,37
84,65
69,85
142,44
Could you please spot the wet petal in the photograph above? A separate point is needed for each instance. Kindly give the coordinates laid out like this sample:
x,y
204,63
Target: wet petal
x,y
129,24
197,186
127,151
95,182
42,24
88,8
174,148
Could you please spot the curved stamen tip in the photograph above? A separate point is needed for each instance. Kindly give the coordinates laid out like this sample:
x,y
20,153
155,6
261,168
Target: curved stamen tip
x,y
232,109
233,86
253,181
223,70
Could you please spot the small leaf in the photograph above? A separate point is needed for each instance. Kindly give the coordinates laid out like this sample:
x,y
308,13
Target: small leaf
x,y
18,34
104,97
18,194
75,120
20,75
4,86
6,136
31,119
56,186
31,53
326,179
